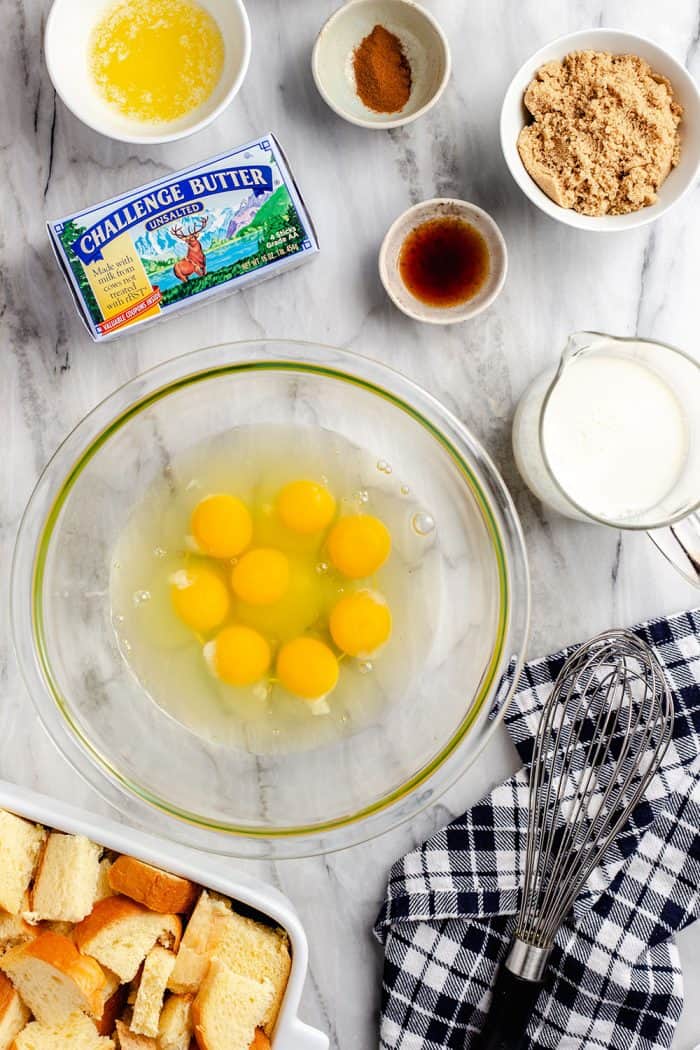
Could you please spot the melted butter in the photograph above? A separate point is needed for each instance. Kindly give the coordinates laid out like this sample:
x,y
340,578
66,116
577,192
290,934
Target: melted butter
x,y
156,60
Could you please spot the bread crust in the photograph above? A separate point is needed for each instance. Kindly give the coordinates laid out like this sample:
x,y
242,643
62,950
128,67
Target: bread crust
x,y
112,1009
113,910
61,954
158,890
105,912
13,1013
199,1034
7,993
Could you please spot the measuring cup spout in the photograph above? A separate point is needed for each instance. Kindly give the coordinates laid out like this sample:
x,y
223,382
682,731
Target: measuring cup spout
x,y
580,342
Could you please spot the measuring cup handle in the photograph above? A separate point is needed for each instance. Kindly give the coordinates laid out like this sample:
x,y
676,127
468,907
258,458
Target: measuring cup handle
x,y
680,543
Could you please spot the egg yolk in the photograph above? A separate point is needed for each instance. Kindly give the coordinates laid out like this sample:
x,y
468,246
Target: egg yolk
x,y
307,668
261,576
308,596
200,598
221,526
305,507
360,623
238,655
359,545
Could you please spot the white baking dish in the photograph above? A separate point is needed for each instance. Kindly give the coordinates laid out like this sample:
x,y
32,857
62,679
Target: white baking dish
x,y
290,1033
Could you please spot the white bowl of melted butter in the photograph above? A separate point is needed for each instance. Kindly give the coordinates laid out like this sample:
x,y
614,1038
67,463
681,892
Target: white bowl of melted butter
x,y
148,71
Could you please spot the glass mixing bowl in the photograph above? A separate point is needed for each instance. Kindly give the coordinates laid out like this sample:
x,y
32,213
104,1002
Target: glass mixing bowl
x,y
227,799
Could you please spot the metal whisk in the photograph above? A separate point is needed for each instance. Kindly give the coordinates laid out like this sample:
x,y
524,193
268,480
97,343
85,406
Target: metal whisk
x,y
603,734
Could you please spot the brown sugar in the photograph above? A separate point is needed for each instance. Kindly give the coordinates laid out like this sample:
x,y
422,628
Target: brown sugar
x,y
382,71
604,134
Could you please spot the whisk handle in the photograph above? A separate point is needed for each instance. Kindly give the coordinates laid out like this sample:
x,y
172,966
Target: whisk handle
x,y
511,1008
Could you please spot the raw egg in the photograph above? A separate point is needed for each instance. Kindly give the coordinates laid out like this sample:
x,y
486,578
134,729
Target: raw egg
x,y
307,668
261,577
360,623
305,507
200,598
238,655
221,526
297,612
359,545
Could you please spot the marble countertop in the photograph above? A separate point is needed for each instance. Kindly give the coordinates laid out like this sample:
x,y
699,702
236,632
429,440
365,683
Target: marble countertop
x,y
356,182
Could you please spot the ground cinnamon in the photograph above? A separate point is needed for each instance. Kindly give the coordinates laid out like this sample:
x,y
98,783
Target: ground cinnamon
x,y
382,71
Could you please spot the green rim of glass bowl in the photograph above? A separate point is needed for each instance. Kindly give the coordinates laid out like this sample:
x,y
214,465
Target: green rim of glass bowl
x,y
39,567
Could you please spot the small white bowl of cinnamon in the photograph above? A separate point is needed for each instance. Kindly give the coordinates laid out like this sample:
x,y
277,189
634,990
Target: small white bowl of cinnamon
x,y
381,63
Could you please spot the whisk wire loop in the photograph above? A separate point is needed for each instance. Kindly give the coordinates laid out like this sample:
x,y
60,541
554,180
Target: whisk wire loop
x,y
601,737
577,833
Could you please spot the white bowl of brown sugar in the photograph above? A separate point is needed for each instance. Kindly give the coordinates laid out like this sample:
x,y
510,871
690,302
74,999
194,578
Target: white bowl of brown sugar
x,y
601,130
381,63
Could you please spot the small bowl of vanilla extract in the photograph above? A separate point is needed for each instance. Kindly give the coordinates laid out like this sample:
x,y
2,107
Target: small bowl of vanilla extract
x,y
443,261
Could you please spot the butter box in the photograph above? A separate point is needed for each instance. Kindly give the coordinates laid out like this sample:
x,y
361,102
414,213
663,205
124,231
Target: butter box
x,y
220,226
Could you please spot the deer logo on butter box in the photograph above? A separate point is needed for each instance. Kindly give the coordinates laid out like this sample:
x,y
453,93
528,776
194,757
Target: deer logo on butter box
x,y
197,234
195,262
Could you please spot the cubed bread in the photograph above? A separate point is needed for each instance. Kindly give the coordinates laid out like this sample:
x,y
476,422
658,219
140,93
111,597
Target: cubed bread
x,y
20,845
14,930
103,888
176,1027
193,960
113,1002
66,879
228,1008
54,979
77,1032
120,933
158,890
13,1013
253,950
129,1040
149,997
189,971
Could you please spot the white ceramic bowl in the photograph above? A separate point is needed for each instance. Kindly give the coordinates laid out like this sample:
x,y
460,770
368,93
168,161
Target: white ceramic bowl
x,y
438,208
680,180
423,40
66,47
290,1033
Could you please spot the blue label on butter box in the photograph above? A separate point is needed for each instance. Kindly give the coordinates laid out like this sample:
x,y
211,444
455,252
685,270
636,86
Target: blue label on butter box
x,y
192,235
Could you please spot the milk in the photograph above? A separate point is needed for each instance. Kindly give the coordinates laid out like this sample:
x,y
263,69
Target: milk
x,y
615,435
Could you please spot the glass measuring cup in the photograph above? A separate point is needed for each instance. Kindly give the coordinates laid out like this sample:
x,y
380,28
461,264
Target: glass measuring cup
x,y
611,434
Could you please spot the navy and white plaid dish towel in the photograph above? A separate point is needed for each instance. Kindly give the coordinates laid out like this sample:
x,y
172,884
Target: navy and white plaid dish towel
x,y
614,979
